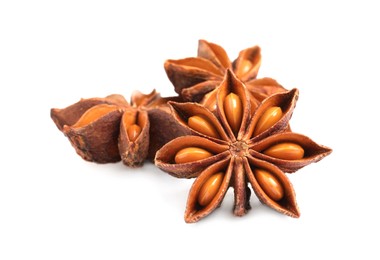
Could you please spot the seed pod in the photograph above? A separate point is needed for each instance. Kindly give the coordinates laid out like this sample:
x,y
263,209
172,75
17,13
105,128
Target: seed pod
x,y
233,109
94,114
97,128
191,154
271,116
286,151
133,132
209,189
269,183
209,101
202,125
134,137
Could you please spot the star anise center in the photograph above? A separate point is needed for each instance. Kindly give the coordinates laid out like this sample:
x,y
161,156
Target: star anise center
x,y
239,148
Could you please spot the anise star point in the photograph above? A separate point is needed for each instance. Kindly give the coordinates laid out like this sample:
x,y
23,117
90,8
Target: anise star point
x,y
254,149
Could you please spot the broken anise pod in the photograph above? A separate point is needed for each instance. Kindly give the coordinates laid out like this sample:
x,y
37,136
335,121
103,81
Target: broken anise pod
x,y
197,78
235,147
111,129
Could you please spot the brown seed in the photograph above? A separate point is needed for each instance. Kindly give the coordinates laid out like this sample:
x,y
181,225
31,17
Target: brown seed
x,y
129,118
133,132
233,109
244,67
271,116
191,154
94,113
209,101
286,151
269,183
202,125
210,188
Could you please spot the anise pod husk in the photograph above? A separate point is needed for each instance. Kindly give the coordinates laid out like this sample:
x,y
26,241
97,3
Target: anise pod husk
x,y
237,155
194,77
163,127
97,140
71,114
106,140
154,117
134,152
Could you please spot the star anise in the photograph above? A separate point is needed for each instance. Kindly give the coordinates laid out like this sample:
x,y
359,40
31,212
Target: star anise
x,y
197,78
111,129
235,147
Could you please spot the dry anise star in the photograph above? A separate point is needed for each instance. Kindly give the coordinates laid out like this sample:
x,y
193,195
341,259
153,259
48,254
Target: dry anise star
x,y
110,129
235,147
196,78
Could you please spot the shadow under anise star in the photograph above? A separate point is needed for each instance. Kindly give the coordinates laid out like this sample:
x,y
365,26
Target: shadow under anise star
x,y
235,147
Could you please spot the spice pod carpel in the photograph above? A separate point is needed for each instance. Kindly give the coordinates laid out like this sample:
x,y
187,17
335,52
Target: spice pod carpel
x,y
272,116
246,66
312,152
233,106
165,157
271,186
199,120
96,129
208,190
134,137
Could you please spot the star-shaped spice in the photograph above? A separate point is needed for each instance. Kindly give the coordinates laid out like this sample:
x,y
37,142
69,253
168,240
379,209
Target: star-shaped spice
x,y
197,78
235,147
111,129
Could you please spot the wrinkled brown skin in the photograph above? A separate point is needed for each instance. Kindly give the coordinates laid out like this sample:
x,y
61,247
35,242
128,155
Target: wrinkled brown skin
x,y
238,155
97,142
105,140
163,128
194,77
134,153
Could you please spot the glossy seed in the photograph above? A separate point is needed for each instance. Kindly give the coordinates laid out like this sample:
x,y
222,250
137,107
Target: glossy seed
x,y
94,113
211,105
202,125
271,116
209,101
210,188
191,154
270,185
244,67
129,118
233,109
286,151
133,132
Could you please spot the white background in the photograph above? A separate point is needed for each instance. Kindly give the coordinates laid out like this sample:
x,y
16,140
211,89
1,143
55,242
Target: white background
x,y
54,205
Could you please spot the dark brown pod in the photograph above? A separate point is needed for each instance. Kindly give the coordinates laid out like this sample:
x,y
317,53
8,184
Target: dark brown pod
x,y
134,135
240,145
193,78
94,135
134,149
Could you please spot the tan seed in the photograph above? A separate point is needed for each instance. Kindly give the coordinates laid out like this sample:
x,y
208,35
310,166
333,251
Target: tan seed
x,y
133,132
286,151
210,188
269,183
209,101
129,118
94,113
202,125
191,154
271,116
244,67
233,109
